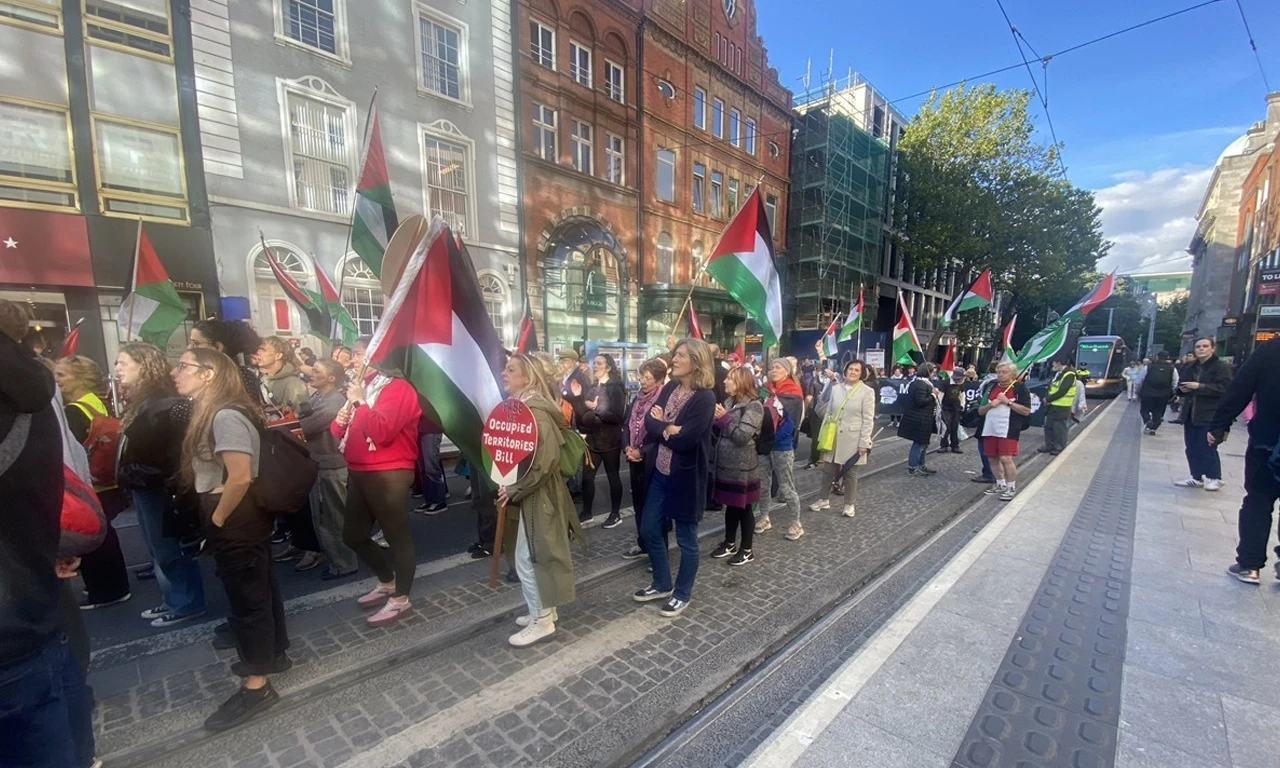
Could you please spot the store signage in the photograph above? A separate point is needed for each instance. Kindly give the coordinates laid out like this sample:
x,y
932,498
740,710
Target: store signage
x,y
1230,321
1262,336
1272,310
1268,282
595,291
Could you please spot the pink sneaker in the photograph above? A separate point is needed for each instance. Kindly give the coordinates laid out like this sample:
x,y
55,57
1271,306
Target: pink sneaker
x,y
390,612
377,597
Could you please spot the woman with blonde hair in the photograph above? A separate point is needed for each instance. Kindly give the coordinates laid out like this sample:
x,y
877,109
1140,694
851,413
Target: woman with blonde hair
x,y
220,454
540,518
677,466
106,579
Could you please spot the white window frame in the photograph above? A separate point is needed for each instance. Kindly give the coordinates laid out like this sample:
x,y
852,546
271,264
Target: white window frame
x,y
539,127
423,12
750,139
617,91
698,188
615,158
341,39
53,187
304,276
535,45
357,285
505,301
582,141
579,73
715,196
315,89
675,177
735,127
771,213
717,118
443,130
700,108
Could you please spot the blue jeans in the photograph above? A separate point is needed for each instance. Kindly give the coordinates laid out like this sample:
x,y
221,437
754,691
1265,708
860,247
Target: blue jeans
x,y
987,474
430,472
1202,458
46,711
653,531
181,585
915,457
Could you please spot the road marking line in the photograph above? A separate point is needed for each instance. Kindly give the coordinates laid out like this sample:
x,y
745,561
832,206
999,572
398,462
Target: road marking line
x,y
789,742
532,681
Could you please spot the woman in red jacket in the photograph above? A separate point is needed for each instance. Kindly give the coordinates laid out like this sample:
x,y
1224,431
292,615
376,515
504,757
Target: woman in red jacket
x,y
379,430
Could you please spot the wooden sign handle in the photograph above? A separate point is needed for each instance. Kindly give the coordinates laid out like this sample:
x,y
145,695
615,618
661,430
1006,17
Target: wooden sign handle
x,y
497,545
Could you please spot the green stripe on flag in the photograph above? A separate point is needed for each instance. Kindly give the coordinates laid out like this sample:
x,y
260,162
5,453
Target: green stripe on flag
x,y
741,283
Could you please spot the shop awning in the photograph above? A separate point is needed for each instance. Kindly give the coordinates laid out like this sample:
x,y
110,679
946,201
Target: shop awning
x,y
38,248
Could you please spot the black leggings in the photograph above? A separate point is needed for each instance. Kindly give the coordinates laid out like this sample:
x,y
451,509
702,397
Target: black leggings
x,y
637,496
610,460
735,517
382,497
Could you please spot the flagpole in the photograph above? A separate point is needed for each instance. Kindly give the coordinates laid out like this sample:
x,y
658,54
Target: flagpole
x,y
133,285
351,220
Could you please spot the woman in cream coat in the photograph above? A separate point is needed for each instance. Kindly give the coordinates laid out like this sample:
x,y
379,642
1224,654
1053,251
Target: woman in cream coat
x,y
851,405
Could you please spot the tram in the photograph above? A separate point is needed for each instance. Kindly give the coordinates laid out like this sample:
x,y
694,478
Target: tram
x,y
1105,357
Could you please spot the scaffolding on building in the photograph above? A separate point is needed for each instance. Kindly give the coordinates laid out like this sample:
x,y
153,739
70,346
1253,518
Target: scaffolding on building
x,y
839,196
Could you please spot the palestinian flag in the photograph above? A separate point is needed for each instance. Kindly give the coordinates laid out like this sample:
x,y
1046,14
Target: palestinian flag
x,y
828,345
948,363
528,337
1100,293
978,294
436,330
374,219
906,344
72,340
340,320
1006,340
1045,344
853,323
742,263
314,316
695,328
153,310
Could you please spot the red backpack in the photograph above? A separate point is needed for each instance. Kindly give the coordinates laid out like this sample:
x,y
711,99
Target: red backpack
x,y
102,444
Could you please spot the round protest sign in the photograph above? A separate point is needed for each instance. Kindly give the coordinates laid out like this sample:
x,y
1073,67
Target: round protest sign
x,y
511,437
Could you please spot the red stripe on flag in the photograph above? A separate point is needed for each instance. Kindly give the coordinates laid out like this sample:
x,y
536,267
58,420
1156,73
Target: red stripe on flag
x,y
426,316
149,268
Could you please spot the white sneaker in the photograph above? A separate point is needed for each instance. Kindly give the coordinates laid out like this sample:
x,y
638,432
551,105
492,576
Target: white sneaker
x,y
543,626
1192,482
820,505
848,510
1213,484
524,620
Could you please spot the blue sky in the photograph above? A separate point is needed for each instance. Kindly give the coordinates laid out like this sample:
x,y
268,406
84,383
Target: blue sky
x,y
1143,116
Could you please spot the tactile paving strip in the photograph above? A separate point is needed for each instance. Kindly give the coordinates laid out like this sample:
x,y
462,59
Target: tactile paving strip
x,y
1055,699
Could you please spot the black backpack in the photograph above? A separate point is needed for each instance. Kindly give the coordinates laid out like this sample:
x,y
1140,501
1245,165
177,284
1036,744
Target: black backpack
x,y
286,472
1159,379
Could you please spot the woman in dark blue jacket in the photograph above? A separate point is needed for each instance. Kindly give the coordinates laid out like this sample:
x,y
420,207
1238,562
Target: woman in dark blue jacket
x,y
678,431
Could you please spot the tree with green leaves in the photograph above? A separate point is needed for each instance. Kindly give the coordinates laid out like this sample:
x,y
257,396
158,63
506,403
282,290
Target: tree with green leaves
x,y
979,190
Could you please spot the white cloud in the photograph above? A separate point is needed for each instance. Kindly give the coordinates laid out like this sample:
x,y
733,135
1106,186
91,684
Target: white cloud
x,y
1150,218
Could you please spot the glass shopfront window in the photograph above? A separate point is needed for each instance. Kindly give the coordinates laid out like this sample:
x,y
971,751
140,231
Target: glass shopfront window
x,y
582,276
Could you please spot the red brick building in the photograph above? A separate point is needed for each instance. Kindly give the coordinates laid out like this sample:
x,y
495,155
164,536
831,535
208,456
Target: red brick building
x,y
645,123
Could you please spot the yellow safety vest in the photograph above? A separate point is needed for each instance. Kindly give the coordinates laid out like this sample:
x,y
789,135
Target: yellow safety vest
x,y
1069,397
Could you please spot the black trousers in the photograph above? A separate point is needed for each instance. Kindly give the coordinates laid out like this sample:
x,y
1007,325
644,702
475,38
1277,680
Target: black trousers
x,y
611,461
484,502
104,572
242,558
1152,410
637,496
302,530
382,497
951,437
739,517
1261,491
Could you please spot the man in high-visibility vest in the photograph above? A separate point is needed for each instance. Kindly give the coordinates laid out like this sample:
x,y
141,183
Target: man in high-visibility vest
x,y
1060,397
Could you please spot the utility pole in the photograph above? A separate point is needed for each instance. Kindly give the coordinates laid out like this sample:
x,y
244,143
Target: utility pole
x,y
1111,313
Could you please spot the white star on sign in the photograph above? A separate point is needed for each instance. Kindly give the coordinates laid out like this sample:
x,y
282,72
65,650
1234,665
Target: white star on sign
x,y
10,243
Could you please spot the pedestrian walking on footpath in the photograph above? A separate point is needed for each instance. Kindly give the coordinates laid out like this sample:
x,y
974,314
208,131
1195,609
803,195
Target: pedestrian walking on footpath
x,y
1061,398
378,428
329,495
1006,411
1130,376
919,419
155,421
678,429
1202,385
653,374
599,411
220,459
850,406
737,467
540,520
1157,387
1257,381
785,408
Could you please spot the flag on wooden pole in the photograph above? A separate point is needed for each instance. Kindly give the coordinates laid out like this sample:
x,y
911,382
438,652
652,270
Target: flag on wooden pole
x,y
906,344
153,310
853,323
742,263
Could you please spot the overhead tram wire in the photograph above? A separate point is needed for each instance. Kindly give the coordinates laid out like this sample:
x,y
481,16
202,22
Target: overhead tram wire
x,y
1266,83
1044,101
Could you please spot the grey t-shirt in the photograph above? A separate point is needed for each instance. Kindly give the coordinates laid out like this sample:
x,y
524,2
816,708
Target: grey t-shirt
x,y
232,432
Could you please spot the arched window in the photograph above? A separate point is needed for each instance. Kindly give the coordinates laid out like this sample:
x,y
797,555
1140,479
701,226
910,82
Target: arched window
x,y
361,295
666,258
274,313
494,291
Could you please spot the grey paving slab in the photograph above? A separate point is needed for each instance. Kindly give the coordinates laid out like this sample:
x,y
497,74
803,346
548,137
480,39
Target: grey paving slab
x,y
1252,732
1170,608
1139,752
1203,662
856,743
995,590
1160,709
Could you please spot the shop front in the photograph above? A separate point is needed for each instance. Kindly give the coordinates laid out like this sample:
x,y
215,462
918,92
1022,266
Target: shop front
x,y
585,287
722,320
